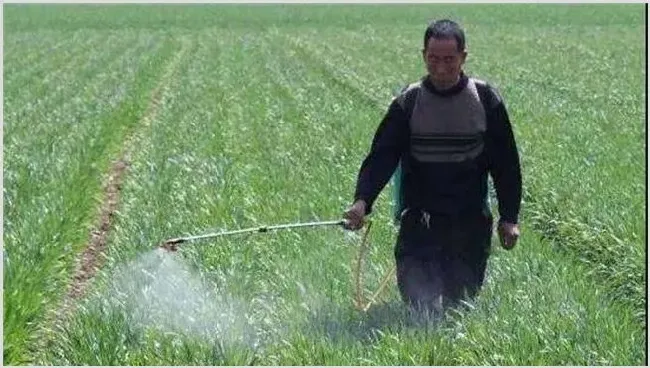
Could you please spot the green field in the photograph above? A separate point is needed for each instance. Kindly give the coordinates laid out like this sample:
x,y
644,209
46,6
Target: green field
x,y
231,117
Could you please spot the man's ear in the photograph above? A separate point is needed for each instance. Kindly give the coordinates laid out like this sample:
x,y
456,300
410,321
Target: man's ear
x,y
464,56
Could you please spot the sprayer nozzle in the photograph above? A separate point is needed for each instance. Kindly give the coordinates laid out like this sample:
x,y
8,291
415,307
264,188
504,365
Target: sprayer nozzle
x,y
171,245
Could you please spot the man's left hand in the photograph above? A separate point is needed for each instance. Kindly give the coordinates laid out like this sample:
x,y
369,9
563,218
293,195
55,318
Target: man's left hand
x,y
508,234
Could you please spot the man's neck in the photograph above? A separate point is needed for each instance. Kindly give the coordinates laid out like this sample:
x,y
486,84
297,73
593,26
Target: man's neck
x,y
450,90
446,86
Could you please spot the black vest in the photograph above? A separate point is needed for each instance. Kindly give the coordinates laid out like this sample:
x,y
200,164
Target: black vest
x,y
443,128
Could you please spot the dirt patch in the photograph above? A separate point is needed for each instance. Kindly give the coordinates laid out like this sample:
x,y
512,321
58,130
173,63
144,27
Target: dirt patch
x,y
93,256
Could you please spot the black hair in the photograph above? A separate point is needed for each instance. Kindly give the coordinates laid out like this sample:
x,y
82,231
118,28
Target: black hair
x,y
445,29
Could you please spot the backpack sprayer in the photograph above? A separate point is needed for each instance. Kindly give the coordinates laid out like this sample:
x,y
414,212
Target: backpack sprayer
x,y
171,245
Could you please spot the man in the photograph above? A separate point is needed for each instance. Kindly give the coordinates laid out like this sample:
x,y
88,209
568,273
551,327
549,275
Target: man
x,y
447,132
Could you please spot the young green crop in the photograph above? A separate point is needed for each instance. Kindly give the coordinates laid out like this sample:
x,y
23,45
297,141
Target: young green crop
x,y
263,119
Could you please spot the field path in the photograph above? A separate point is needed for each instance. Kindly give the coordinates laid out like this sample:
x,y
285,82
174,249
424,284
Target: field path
x,y
91,259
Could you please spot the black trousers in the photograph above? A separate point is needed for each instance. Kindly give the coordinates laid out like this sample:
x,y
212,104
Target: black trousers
x,y
441,260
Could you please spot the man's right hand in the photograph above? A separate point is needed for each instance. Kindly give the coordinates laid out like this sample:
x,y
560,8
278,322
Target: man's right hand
x,y
355,215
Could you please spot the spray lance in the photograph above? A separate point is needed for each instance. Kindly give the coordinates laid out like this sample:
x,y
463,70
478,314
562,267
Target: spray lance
x,y
171,245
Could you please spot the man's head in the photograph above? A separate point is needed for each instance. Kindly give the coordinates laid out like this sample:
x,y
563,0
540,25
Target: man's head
x,y
444,52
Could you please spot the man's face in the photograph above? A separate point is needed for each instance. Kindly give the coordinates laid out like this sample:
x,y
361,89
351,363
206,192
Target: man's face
x,y
443,60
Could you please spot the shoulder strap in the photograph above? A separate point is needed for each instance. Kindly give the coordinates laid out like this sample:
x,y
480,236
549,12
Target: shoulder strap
x,y
489,97
407,98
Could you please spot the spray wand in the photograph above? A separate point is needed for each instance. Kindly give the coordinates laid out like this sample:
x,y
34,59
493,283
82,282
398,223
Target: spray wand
x,y
171,245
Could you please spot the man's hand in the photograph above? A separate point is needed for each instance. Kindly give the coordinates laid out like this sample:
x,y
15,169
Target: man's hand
x,y
508,234
355,215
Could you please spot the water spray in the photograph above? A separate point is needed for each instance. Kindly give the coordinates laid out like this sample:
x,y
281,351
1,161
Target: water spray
x,y
172,245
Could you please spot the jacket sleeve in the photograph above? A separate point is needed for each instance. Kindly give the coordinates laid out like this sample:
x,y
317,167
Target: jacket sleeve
x,y
504,164
390,141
